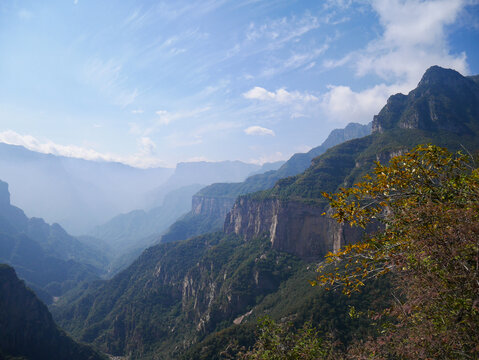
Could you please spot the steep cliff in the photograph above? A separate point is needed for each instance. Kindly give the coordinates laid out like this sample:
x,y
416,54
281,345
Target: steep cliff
x,y
292,226
211,206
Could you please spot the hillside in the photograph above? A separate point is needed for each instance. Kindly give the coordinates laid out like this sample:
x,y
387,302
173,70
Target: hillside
x,y
27,330
125,231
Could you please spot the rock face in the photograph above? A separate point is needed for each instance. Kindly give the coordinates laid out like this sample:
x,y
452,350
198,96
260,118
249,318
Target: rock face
x,y
292,226
211,206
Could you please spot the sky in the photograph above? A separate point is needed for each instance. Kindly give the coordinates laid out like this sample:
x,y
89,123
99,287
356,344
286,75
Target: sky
x,y
154,83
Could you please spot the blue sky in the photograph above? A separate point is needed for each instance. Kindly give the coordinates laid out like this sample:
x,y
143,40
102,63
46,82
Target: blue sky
x,y
152,83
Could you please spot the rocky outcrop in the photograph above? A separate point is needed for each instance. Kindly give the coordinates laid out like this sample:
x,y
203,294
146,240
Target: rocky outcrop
x,y
216,207
294,227
444,100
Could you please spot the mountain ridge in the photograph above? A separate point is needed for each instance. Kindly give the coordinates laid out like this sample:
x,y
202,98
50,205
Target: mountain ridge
x,y
212,203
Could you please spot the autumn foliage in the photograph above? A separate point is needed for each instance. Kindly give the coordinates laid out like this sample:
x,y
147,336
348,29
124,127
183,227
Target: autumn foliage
x,y
426,206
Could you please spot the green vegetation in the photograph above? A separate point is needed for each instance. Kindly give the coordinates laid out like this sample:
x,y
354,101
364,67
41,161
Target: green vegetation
x,y
429,202
192,225
27,330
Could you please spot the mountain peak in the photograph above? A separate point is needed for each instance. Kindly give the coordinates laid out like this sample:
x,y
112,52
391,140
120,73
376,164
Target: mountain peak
x,y
444,100
438,75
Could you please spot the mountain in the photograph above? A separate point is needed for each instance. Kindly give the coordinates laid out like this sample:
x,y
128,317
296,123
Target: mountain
x,y
27,330
198,298
201,172
268,167
46,256
211,204
125,230
76,193
442,110
126,235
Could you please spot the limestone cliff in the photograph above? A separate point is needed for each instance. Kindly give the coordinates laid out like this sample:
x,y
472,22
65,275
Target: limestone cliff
x,y
216,207
292,226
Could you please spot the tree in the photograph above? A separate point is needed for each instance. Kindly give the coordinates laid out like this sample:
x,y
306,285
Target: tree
x,y
282,342
426,206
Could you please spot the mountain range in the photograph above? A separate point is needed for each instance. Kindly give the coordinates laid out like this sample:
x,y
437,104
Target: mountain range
x,y
81,194
200,298
211,204
49,259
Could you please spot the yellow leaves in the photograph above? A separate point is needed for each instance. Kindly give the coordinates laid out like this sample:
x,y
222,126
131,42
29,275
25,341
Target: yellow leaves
x,y
428,174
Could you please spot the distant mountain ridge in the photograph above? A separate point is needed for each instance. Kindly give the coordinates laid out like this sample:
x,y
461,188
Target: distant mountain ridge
x,y
203,172
46,256
81,194
74,192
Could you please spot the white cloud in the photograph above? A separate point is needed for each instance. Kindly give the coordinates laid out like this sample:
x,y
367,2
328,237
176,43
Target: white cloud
x,y
258,130
413,39
296,61
281,95
142,159
343,105
137,111
147,146
280,31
